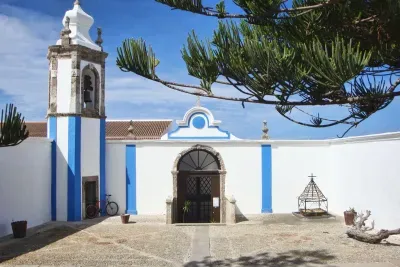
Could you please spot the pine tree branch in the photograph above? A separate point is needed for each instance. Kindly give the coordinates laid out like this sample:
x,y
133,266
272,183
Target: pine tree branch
x,y
317,126
173,85
344,100
187,5
228,83
324,119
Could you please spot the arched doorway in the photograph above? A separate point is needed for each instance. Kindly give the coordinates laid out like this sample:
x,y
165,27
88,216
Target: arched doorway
x,y
199,177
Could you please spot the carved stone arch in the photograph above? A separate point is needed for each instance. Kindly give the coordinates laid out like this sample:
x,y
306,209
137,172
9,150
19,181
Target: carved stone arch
x,y
97,90
209,149
222,174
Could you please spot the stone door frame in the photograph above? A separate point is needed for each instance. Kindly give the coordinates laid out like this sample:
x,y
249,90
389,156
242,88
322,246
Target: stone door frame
x,y
222,175
83,201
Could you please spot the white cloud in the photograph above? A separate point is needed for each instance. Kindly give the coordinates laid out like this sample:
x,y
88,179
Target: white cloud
x,y
23,63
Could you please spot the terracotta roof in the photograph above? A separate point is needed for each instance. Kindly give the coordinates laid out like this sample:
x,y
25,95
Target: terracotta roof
x,y
37,129
116,130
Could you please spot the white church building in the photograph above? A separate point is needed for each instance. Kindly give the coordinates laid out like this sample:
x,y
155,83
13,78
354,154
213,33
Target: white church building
x,y
151,167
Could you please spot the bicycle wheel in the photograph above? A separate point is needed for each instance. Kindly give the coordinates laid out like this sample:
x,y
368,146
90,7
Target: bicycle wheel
x,y
91,211
112,208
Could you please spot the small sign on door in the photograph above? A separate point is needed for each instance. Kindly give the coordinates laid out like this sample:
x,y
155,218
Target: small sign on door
x,y
216,202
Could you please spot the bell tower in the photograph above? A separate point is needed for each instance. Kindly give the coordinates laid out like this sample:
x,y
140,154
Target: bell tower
x,y
76,115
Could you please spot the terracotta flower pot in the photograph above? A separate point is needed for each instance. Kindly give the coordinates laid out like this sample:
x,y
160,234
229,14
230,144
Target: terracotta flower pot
x,y
125,218
349,217
19,229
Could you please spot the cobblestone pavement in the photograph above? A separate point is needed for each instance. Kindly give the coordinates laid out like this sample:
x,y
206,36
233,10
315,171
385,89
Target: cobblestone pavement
x,y
275,240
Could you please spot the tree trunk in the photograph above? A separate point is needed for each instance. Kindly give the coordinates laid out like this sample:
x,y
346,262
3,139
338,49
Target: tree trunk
x,y
358,231
371,238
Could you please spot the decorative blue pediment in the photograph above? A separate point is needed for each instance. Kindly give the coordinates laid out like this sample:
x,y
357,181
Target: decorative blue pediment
x,y
199,123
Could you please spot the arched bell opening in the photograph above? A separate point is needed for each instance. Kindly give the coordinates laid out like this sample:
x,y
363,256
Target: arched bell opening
x,y
90,90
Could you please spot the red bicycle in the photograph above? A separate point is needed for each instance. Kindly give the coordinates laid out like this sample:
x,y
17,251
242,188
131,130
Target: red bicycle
x,y
93,210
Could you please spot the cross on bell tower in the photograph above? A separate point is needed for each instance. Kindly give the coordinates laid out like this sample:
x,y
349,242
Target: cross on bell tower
x,y
76,113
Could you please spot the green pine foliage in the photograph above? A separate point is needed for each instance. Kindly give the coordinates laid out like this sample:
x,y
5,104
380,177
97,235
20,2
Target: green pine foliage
x,y
314,53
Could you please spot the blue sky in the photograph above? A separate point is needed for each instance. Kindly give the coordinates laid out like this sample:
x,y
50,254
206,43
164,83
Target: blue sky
x,y
27,28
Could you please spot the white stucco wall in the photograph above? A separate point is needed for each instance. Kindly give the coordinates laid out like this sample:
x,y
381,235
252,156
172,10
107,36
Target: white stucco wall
x,y
354,172
90,153
64,85
62,168
243,176
292,163
116,174
25,183
154,179
365,176
359,172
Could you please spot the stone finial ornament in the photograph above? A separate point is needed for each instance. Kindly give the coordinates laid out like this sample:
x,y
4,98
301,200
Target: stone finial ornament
x,y
65,32
99,40
77,3
67,22
265,131
130,129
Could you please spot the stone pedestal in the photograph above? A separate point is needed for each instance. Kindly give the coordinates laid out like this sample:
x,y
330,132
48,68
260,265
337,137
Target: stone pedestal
x,y
168,213
230,210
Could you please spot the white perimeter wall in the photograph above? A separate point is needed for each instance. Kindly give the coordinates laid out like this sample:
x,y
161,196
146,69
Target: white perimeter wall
x,y
116,174
291,166
361,172
366,175
25,183
154,162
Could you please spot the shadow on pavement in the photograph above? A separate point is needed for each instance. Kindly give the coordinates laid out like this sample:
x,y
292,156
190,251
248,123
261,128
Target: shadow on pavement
x,y
287,259
41,236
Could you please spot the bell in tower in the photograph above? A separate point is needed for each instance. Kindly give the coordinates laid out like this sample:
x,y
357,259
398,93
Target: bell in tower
x,y
88,89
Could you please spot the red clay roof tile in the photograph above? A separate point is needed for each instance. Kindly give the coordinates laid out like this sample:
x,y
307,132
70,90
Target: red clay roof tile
x,y
117,130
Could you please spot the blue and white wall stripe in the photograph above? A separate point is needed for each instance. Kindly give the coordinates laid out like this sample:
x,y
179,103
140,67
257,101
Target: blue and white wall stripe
x,y
52,134
74,169
103,163
266,180
131,179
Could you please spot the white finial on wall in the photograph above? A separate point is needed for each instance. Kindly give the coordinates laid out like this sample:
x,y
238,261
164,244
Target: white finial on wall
x,y
77,2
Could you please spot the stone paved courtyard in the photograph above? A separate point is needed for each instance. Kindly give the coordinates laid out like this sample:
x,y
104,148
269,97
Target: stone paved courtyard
x,y
274,240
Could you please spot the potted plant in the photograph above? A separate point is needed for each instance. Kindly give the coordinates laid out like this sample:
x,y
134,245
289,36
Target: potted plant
x,y
349,216
19,228
125,218
186,209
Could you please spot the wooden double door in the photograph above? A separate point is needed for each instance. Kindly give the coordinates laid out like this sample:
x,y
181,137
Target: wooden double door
x,y
202,190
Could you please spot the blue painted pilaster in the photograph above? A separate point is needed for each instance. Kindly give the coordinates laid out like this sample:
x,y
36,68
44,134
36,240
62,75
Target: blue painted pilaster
x,y
74,169
131,179
103,164
52,134
266,165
